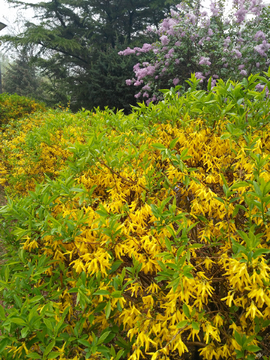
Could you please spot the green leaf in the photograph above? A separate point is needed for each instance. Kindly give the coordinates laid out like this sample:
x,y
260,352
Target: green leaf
x,y
186,271
54,354
175,283
111,335
100,306
201,315
103,350
36,299
24,332
186,311
193,312
48,324
119,354
77,190
237,132
115,266
253,348
219,199
259,252
103,337
173,143
18,301
240,354
179,252
184,153
102,292
17,321
168,244
3,344
117,294
257,189
209,84
237,247
181,324
196,246
65,312
108,310
49,347
159,146
225,136
84,343
2,313
195,325
239,185
122,342
237,208
34,355
238,338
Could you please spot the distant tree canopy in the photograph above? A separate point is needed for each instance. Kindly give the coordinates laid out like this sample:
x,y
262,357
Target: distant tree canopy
x,y
21,77
76,44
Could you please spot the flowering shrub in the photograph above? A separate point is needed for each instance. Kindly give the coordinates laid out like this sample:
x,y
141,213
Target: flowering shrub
x,y
36,148
151,238
212,45
13,107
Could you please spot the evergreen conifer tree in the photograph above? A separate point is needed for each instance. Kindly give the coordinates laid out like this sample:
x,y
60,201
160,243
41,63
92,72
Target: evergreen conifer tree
x,y
76,42
21,77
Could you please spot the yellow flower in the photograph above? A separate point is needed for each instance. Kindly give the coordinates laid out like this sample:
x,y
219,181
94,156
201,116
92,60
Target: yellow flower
x,y
218,321
229,298
193,334
210,330
208,263
208,352
259,294
252,311
78,266
225,351
180,346
203,288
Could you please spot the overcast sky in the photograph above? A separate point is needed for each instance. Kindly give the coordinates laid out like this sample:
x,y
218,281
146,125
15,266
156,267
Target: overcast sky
x,y
14,18
9,15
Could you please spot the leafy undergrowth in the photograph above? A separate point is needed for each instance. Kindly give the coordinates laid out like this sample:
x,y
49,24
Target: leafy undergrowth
x,y
16,107
140,236
2,203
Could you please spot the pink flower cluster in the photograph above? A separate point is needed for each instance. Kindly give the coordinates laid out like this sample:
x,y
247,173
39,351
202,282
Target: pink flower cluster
x,y
190,41
205,61
263,48
199,75
146,48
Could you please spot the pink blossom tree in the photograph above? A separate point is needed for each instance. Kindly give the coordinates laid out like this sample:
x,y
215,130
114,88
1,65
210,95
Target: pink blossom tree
x,y
209,45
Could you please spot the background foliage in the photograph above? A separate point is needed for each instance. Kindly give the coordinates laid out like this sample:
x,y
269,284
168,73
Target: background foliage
x,y
22,78
76,43
14,107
